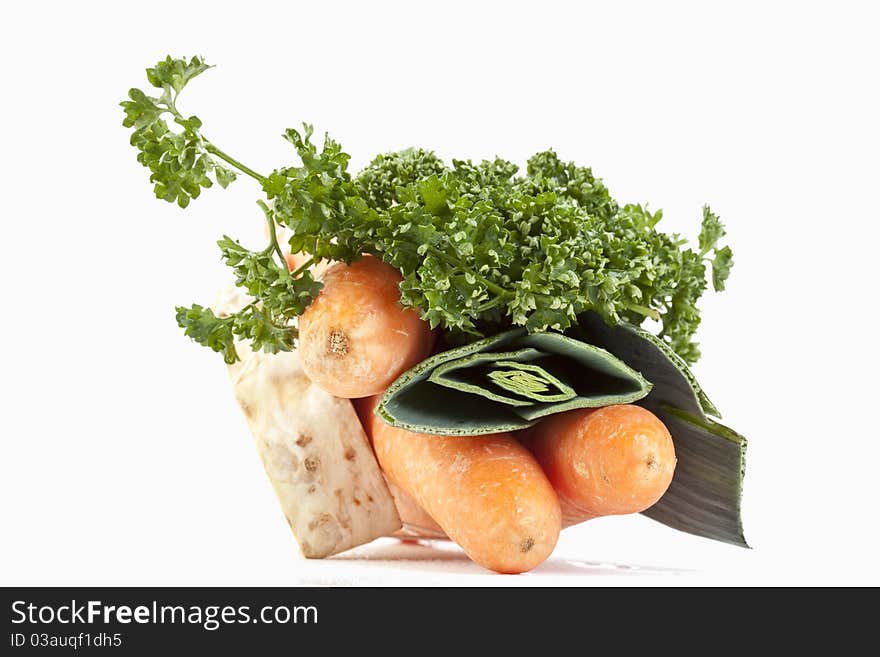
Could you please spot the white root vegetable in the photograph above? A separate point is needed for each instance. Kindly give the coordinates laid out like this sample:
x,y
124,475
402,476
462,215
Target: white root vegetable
x,y
315,453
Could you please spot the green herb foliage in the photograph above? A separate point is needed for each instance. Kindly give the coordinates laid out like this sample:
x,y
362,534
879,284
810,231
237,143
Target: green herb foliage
x,y
481,247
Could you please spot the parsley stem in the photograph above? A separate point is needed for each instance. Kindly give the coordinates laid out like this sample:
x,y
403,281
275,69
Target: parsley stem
x,y
642,310
238,165
299,270
495,288
172,108
491,303
273,236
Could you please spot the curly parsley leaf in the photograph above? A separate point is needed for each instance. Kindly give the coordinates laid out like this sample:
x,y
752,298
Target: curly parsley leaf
x,y
282,295
711,232
205,328
220,333
481,247
181,162
174,74
722,263
378,183
279,297
266,323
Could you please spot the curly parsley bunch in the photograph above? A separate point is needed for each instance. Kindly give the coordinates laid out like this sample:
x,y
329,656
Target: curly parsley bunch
x,y
481,247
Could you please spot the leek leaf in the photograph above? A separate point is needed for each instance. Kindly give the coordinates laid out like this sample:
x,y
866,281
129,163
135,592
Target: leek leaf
x,y
507,382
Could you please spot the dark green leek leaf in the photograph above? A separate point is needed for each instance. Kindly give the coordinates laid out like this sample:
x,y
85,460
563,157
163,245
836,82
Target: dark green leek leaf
x,y
704,497
674,384
507,382
705,494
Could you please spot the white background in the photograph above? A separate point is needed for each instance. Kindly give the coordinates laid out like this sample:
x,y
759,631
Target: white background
x,y
125,459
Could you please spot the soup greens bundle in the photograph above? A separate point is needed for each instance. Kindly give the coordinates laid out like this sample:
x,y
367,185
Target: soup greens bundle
x,y
538,280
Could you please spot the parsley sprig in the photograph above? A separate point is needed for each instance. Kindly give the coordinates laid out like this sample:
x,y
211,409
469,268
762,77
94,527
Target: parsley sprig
x,y
480,248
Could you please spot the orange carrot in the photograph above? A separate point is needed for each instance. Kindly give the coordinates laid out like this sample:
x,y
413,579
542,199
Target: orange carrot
x,y
415,519
487,492
355,338
604,461
364,409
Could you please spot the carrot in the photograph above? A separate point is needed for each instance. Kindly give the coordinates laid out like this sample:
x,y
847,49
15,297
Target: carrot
x,y
364,409
604,461
486,492
355,338
415,519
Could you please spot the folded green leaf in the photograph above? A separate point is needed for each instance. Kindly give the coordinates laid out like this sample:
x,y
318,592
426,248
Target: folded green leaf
x,y
705,495
674,384
507,382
